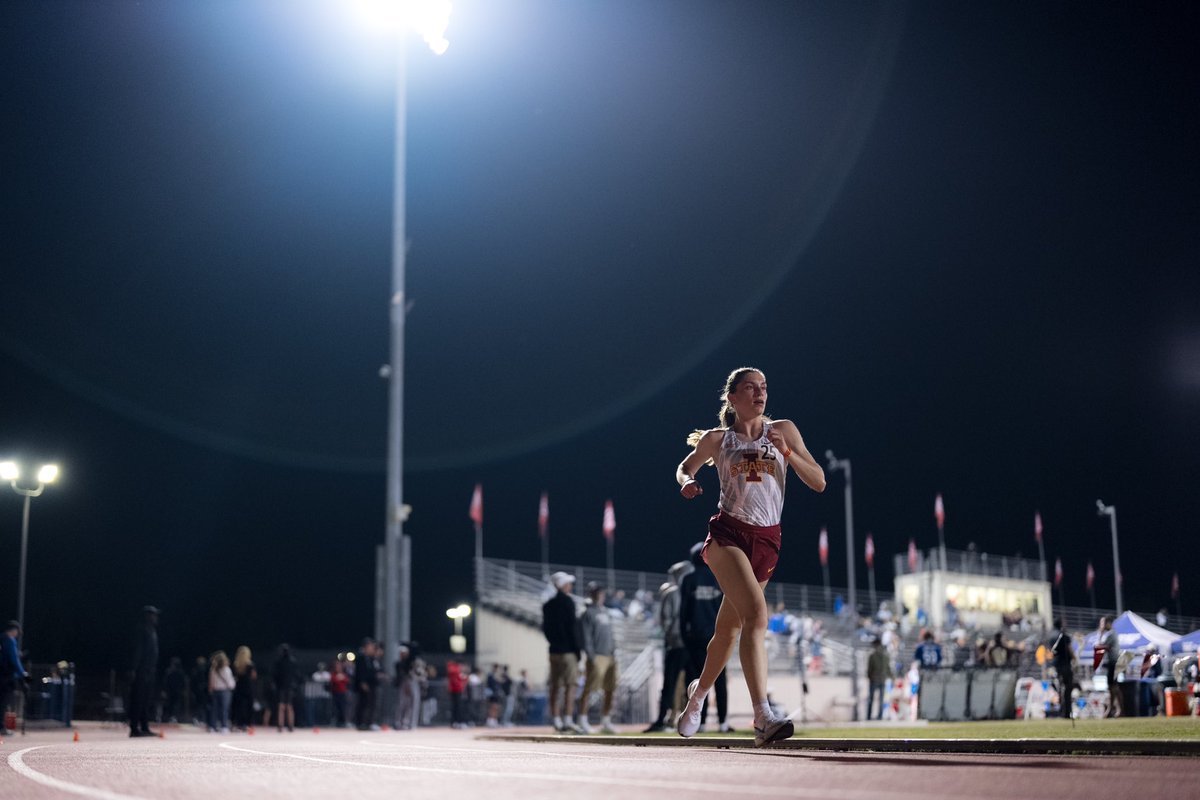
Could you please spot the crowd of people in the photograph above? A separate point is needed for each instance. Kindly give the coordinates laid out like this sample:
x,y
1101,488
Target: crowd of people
x,y
353,689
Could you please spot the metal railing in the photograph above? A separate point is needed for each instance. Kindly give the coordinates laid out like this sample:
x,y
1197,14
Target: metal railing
x,y
971,562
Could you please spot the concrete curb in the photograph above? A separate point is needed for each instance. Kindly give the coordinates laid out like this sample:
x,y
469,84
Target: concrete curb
x,y
1072,747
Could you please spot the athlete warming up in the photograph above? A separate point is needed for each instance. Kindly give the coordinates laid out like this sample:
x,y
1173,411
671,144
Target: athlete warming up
x,y
751,453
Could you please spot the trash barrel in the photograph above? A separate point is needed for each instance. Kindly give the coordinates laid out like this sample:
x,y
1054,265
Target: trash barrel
x,y
1131,698
535,710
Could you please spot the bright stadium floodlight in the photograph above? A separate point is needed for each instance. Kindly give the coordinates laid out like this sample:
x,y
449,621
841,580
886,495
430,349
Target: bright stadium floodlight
x,y
48,473
9,471
429,18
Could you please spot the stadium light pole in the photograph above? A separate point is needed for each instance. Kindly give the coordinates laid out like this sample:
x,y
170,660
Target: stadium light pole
x,y
843,464
1111,513
10,472
430,19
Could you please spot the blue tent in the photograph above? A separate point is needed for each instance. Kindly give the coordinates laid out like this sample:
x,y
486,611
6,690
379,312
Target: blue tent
x,y
1188,643
1135,633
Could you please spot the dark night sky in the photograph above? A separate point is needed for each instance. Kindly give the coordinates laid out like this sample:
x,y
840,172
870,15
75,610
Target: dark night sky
x,y
960,239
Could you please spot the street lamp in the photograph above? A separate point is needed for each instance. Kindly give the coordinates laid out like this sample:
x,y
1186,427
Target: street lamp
x,y
430,19
458,642
11,472
843,464
1111,513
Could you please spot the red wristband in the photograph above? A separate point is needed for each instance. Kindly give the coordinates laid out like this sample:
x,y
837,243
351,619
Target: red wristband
x,y
787,455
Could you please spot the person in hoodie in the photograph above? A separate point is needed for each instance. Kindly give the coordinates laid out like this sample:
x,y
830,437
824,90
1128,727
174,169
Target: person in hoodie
x,y
595,625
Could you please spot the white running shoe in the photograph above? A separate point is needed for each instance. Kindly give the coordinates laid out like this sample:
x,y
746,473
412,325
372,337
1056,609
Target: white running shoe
x,y
688,721
775,729
583,725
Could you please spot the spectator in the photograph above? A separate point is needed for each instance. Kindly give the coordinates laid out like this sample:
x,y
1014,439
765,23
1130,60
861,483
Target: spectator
x,y
561,630
700,602
245,678
175,688
879,675
1151,687
221,685
495,697
317,697
476,696
521,692
1063,658
198,682
456,685
998,651
675,655
13,674
410,674
145,674
929,653
284,675
963,654
598,643
506,687
339,690
1112,653
366,682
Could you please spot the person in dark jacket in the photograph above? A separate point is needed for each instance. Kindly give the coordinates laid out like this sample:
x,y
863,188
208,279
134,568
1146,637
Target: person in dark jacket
x,y
1063,658
145,673
284,674
13,675
366,681
562,632
699,601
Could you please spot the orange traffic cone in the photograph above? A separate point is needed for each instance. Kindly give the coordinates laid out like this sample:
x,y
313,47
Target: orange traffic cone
x,y
162,734
316,730
250,731
76,737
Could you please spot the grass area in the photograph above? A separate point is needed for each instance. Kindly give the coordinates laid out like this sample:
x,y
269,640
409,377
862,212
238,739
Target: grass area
x,y
1132,728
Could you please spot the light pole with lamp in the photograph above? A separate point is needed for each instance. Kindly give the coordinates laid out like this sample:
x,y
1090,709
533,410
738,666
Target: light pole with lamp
x,y
458,642
1111,513
843,464
430,21
10,472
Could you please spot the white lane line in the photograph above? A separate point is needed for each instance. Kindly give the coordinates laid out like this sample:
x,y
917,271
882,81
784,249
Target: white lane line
x,y
727,789
17,762
483,750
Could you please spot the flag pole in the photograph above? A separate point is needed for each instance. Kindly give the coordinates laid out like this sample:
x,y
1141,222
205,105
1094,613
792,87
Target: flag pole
x,y
544,533
1037,533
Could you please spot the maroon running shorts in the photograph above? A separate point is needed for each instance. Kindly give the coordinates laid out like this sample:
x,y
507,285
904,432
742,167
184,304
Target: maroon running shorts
x,y
761,545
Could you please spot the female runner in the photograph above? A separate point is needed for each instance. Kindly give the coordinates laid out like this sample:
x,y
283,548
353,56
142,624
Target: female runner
x,y
751,453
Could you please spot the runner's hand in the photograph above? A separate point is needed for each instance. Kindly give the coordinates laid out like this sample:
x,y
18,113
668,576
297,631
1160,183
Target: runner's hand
x,y
691,489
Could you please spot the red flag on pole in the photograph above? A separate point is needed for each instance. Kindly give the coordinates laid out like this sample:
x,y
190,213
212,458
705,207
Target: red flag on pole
x,y
610,520
476,512
1175,586
939,512
912,555
870,552
1058,573
543,515
823,547
1091,576
1037,526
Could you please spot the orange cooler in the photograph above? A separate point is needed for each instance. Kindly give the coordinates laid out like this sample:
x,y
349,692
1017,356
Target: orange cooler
x,y
1177,703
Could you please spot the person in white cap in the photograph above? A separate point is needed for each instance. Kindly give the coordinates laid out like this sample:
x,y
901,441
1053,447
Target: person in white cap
x,y
562,632
752,454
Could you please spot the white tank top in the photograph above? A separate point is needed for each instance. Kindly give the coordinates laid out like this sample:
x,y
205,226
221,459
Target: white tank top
x,y
752,478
